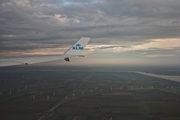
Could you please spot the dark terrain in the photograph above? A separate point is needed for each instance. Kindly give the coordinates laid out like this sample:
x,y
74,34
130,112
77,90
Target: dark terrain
x,y
67,93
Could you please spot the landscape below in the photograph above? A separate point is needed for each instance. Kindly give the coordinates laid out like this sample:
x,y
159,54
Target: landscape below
x,y
65,93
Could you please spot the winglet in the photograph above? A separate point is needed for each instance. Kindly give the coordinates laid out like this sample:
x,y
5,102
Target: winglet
x,y
77,48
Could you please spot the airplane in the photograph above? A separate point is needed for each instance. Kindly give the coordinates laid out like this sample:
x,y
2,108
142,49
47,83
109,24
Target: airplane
x,y
74,50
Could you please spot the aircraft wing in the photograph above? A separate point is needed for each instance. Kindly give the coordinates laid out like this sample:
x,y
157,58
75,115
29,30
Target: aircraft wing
x,y
74,50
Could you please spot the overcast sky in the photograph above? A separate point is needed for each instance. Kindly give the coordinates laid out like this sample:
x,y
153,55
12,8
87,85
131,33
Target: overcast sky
x,y
121,31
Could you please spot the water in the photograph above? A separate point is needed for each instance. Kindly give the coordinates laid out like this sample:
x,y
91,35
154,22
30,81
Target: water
x,y
167,77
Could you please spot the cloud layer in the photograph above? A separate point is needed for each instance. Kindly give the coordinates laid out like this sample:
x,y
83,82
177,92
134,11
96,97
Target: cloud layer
x,y
115,26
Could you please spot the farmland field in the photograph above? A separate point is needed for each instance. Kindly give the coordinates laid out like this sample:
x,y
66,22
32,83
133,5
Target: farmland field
x,y
66,94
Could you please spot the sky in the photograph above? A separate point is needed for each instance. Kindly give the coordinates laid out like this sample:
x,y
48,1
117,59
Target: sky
x,y
122,32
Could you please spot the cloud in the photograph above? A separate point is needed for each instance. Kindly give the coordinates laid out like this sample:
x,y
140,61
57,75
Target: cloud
x,y
122,26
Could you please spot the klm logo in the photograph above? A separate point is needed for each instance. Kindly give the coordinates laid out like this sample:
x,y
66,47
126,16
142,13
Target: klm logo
x,y
77,47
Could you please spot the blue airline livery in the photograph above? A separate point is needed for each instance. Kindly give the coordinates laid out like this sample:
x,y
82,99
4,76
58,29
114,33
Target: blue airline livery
x,y
77,47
